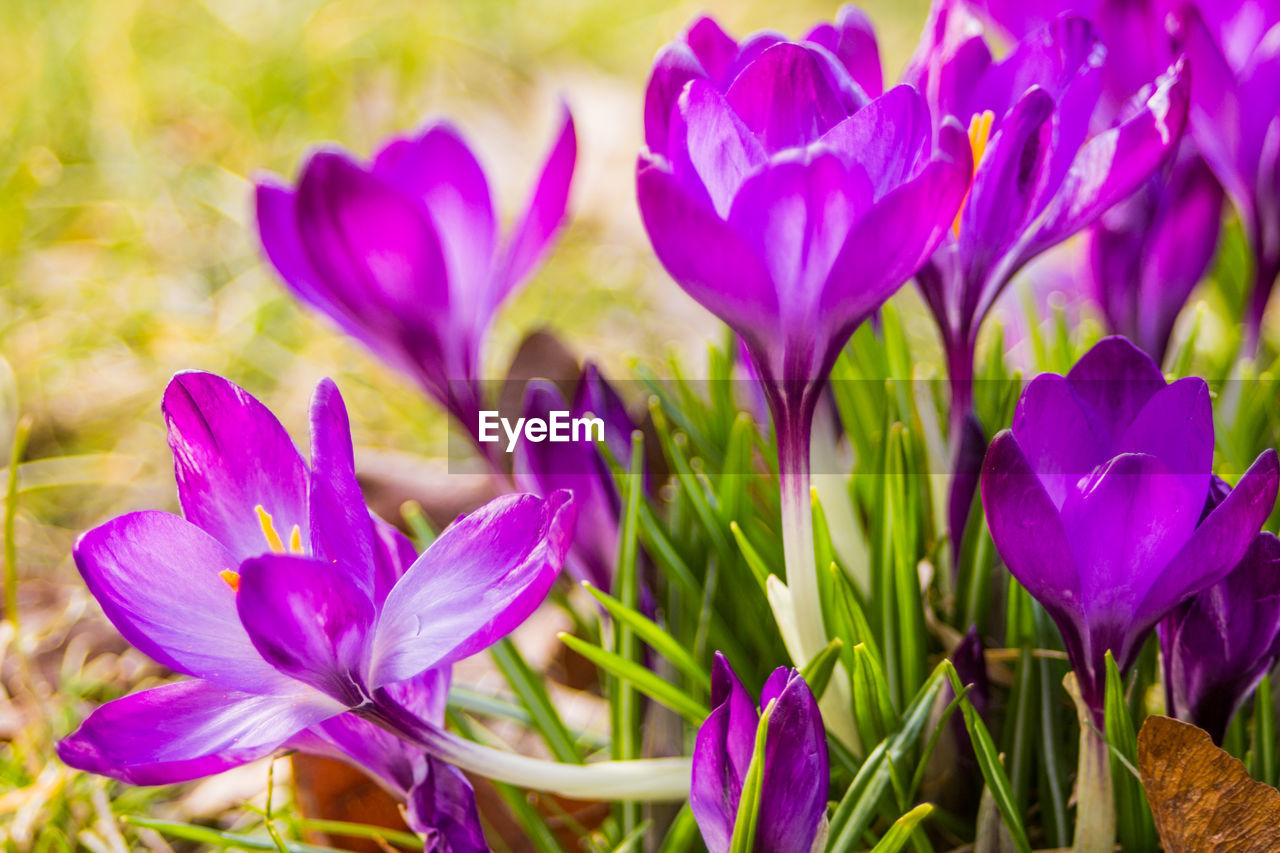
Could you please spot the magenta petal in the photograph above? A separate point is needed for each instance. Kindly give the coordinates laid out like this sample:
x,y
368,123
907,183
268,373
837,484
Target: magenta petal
x,y
341,531
673,67
531,236
1176,426
714,146
474,585
393,554
1027,530
230,455
438,168
1111,165
1059,435
786,97
1219,543
1115,380
156,578
310,620
441,807
1125,524
377,249
276,208
888,137
703,254
721,755
187,730
853,41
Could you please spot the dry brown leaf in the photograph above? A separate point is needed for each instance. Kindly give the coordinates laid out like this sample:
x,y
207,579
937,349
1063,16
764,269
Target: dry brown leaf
x,y
1202,798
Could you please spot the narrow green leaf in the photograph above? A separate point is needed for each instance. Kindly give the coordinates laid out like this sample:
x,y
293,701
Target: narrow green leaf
x,y
362,830
530,689
900,833
817,672
744,824
758,569
1264,720
654,635
992,770
1134,825
624,705
420,530
217,838
683,834
872,705
640,678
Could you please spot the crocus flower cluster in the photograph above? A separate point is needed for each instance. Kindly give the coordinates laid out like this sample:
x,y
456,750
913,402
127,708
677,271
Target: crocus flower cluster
x,y
404,253
793,790
1146,254
1042,172
1218,645
1234,48
1094,500
289,605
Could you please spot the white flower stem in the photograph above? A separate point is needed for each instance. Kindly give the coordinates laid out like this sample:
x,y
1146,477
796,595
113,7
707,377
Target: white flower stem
x,y
1095,802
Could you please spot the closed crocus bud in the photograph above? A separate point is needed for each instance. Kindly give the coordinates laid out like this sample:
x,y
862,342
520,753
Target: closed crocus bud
x,y
1095,500
793,790
1219,644
578,466
404,252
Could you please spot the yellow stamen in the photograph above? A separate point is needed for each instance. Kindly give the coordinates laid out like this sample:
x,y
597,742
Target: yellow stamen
x,y
269,530
979,135
231,578
295,540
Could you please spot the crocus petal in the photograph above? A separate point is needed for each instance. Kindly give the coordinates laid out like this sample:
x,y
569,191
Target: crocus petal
x,y
377,250
1007,183
438,168
1026,528
673,67
701,252
393,554
1219,543
1111,165
476,583
721,755
1125,523
1115,380
531,236
890,243
796,214
187,730
950,61
887,138
793,797
1059,435
1176,426
853,41
341,531
442,809
230,455
156,578
309,619
712,146
786,97
276,209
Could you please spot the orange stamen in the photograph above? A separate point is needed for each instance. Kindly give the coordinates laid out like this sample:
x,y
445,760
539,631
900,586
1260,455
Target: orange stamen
x,y
231,578
979,136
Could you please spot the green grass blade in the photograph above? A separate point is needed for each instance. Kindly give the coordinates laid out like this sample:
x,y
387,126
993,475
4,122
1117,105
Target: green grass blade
x,y
900,833
654,635
218,838
640,678
817,672
1134,826
744,824
529,688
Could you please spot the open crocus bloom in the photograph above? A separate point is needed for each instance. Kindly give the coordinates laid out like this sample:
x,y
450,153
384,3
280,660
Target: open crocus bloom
x,y
404,253
1041,173
1219,644
285,601
1095,502
793,789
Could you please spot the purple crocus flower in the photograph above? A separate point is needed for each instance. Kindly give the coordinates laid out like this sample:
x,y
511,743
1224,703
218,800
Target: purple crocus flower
x,y
706,52
1234,48
793,790
792,209
1041,173
577,466
1146,254
287,602
1094,501
404,253
1219,644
